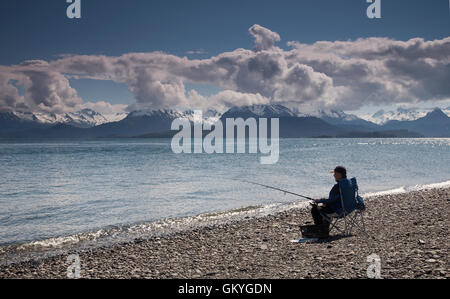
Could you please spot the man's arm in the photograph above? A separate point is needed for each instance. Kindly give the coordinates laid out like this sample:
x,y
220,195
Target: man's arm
x,y
333,197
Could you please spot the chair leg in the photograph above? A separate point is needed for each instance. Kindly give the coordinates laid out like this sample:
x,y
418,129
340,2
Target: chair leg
x,y
359,222
363,224
351,220
345,225
354,220
334,225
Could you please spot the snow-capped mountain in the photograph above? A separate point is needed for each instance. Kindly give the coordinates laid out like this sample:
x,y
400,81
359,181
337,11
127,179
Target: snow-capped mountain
x,y
447,111
11,122
9,116
401,114
433,124
212,113
293,124
85,118
341,118
263,111
338,117
163,113
335,116
149,121
115,117
210,116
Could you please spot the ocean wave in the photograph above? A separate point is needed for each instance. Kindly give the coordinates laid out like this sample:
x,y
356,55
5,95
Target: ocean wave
x,y
441,185
164,226
123,234
385,192
406,189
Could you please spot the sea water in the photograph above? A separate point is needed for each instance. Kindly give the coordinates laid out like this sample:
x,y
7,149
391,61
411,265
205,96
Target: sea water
x,y
55,192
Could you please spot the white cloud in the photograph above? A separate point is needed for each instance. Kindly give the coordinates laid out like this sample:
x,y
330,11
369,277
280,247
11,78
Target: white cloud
x,y
229,98
49,91
9,95
264,38
381,70
105,108
327,74
197,52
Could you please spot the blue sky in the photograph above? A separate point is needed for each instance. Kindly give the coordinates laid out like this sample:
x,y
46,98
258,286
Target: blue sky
x,y
33,29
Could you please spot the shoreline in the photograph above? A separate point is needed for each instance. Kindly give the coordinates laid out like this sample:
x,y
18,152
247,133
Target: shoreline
x,y
409,231
165,227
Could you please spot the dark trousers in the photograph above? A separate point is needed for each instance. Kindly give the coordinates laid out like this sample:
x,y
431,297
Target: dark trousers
x,y
317,217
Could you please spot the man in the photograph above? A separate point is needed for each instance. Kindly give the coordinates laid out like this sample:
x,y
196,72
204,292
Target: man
x,y
333,203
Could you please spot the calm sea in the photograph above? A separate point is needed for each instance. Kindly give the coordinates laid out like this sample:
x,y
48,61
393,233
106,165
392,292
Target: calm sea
x,y
61,190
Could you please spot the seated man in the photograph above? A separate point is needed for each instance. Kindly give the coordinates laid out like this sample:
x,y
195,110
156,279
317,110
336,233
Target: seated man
x,y
332,204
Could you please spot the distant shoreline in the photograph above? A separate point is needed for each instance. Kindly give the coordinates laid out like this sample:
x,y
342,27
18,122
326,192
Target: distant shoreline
x,y
165,135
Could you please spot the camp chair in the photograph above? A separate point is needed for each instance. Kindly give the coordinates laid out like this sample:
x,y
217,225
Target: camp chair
x,y
350,216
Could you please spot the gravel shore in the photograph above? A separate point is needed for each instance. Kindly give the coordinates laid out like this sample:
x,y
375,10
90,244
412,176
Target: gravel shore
x,y
409,232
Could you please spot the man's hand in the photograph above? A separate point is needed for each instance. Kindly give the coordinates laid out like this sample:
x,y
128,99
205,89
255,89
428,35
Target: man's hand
x,y
314,202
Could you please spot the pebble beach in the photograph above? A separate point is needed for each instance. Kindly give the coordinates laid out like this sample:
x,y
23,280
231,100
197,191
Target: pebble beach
x,y
409,233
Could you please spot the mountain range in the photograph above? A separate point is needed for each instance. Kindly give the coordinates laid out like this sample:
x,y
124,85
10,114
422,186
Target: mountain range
x,y
323,123
401,114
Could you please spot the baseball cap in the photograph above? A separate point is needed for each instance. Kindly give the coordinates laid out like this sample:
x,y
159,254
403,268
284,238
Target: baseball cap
x,y
340,169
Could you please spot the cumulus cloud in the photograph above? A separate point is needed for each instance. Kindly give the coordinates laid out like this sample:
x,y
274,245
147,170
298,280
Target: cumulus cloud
x,y
46,89
154,92
49,91
381,70
264,38
224,99
327,74
9,94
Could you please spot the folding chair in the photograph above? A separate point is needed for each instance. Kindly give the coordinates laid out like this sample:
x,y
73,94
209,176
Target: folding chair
x,y
350,216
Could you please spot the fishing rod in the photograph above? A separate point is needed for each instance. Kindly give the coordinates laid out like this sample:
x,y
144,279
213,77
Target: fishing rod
x,y
278,189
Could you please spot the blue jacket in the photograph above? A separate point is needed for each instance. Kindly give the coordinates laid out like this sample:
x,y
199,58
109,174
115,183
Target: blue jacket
x,y
333,202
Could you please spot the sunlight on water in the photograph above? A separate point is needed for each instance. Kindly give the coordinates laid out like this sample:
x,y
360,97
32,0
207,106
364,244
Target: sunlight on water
x,y
63,189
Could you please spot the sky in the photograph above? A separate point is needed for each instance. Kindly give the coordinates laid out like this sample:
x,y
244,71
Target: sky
x,y
199,53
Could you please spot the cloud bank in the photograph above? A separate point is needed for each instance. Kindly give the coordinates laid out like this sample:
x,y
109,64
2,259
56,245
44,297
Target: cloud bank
x,y
328,74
